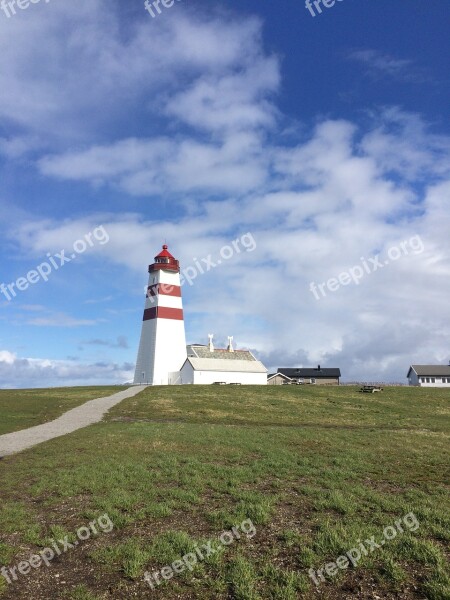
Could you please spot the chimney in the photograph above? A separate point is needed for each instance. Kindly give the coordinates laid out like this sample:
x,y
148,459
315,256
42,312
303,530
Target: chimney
x,y
230,344
318,367
210,344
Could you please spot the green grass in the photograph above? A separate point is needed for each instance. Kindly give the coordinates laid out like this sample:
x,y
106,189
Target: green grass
x,y
344,406
80,592
315,469
20,409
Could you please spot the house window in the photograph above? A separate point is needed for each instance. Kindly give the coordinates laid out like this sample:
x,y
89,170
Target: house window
x,y
313,380
433,380
428,380
422,379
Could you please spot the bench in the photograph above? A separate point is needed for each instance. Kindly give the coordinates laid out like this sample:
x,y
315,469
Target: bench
x,y
371,389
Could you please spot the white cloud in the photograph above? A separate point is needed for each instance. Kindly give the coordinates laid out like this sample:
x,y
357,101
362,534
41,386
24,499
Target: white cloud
x,y
32,307
98,300
394,317
402,144
16,146
7,358
62,320
146,167
379,60
191,74
350,207
121,342
236,101
17,372
61,62
382,64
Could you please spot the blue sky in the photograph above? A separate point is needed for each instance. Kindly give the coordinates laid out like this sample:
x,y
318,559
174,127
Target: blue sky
x,y
326,139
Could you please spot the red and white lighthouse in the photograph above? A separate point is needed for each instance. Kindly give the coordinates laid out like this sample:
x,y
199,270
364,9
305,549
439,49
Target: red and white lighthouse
x,y
162,349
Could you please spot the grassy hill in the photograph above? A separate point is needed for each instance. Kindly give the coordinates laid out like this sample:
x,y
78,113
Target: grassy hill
x,y
20,409
319,473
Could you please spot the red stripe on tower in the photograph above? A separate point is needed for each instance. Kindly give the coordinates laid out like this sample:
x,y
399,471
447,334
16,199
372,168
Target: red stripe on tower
x,y
164,289
163,312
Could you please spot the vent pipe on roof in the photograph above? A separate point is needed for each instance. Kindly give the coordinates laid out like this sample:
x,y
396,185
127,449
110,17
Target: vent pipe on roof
x,y
230,344
318,367
210,344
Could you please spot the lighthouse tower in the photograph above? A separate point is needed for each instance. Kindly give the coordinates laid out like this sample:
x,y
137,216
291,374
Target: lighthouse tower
x,y
162,349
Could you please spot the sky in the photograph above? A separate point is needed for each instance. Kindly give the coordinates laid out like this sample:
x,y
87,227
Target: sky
x,y
296,162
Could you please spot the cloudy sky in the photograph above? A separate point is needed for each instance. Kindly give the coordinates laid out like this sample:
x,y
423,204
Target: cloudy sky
x,y
324,140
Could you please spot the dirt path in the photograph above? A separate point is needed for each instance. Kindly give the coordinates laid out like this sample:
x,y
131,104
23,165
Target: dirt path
x,y
81,416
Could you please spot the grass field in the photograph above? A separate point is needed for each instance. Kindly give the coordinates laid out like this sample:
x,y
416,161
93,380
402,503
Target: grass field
x,y
20,409
318,471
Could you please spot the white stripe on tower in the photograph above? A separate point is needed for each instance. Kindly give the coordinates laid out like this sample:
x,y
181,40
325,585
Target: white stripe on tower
x,y
162,349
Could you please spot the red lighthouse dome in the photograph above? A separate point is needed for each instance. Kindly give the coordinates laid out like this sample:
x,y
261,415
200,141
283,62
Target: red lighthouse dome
x,y
165,260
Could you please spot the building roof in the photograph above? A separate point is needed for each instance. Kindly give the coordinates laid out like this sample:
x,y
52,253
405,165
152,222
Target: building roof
x,y
199,351
431,370
316,373
272,375
164,253
226,366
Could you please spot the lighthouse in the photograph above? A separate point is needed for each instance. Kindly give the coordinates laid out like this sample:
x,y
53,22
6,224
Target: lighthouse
x,y
162,349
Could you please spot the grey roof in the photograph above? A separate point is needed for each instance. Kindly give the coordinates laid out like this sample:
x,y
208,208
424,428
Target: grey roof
x,y
431,370
225,366
198,351
315,373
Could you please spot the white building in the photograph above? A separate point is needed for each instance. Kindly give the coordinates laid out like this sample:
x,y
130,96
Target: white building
x,y
429,375
207,365
162,348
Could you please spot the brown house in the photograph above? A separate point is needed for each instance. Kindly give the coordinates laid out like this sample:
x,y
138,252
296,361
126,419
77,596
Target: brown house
x,y
278,379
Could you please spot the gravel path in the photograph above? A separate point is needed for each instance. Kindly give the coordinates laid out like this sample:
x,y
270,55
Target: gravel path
x,y
81,416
